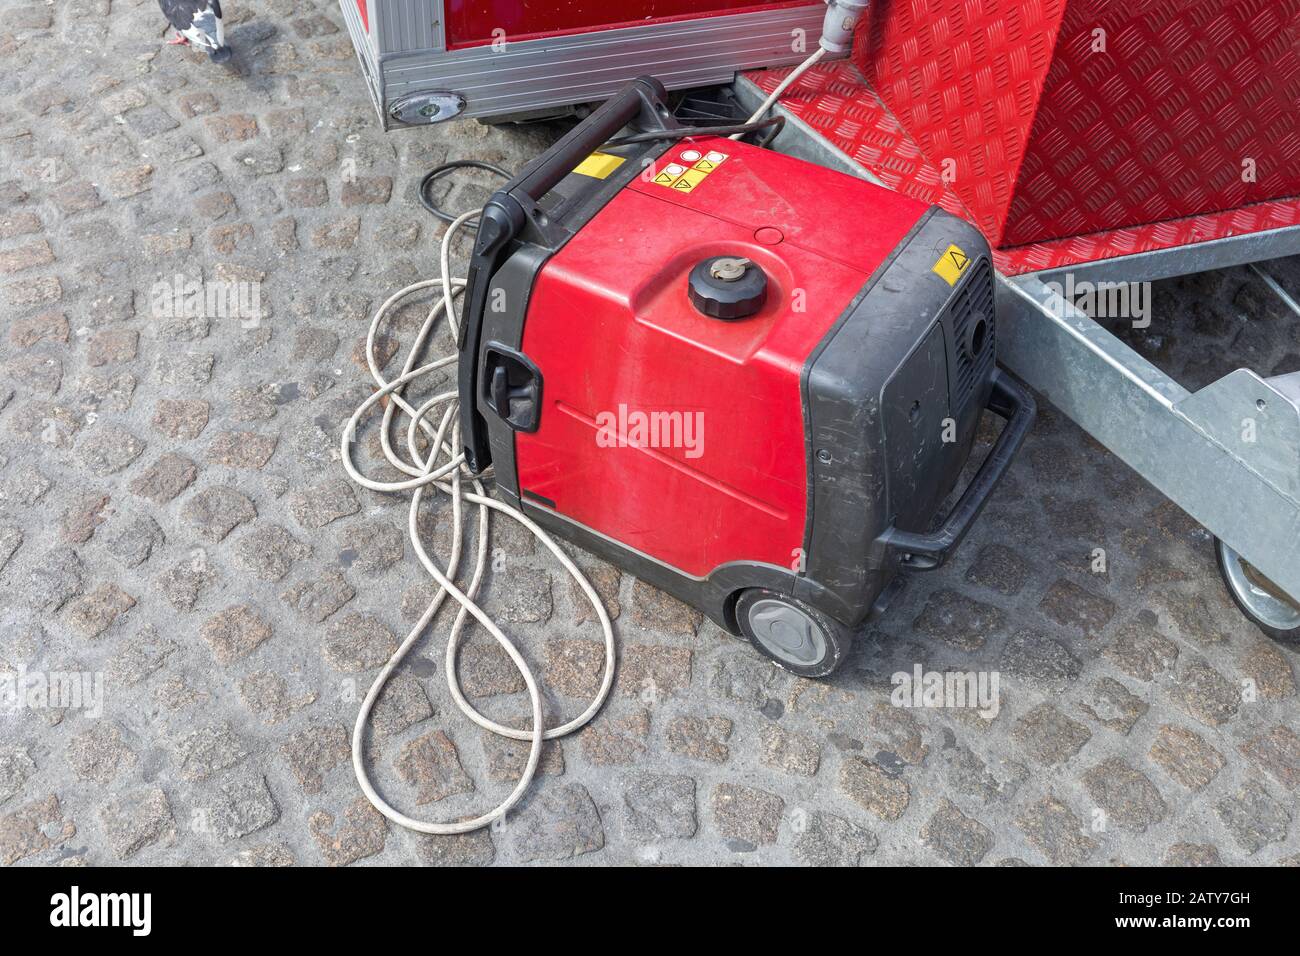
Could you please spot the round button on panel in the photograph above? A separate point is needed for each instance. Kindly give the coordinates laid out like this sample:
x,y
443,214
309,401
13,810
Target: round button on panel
x,y
691,156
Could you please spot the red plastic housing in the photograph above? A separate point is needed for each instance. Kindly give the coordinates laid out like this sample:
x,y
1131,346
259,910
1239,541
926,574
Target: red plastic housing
x,y
610,323
1056,118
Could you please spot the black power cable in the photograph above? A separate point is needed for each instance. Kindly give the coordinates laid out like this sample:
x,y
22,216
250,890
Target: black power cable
x,y
435,174
775,121
773,126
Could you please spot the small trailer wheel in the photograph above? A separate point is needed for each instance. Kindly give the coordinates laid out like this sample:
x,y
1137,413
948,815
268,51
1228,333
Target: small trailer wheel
x,y
1258,598
799,637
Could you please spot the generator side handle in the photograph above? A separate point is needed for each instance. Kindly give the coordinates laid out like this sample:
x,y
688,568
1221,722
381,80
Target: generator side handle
x,y
929,550
513,209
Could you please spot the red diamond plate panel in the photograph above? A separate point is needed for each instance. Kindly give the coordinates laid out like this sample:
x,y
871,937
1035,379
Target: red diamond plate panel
x,y
835,101
1159,110
964,78
1050,118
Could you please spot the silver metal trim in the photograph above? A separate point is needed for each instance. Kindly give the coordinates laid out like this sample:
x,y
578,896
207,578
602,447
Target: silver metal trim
x,y
365,53
403,26
579,68
1182,260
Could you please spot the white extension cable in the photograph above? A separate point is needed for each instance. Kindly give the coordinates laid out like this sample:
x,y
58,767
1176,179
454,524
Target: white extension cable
x,y
781,87
837,37
448,475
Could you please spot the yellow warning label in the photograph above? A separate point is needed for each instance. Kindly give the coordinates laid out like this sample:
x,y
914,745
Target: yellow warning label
x,y
677,177
668,175
689,180
711,161
598,165
951,265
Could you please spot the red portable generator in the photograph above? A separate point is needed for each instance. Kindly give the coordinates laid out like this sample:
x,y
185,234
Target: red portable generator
x,y
751,381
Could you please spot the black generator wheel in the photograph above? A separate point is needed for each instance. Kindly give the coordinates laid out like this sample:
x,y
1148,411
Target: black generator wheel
x,y
800,638
1259,598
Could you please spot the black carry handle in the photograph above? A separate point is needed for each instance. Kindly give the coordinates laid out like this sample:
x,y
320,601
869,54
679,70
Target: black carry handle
x,y
641,100
924,552
513,207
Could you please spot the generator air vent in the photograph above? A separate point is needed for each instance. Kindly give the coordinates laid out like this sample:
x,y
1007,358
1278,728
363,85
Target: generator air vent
x,y
971,320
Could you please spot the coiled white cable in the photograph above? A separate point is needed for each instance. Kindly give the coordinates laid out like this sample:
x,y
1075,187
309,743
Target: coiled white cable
x,y
444,469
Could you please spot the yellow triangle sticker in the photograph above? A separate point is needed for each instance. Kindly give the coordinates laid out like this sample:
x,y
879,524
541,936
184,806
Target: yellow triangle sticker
x,y
951,265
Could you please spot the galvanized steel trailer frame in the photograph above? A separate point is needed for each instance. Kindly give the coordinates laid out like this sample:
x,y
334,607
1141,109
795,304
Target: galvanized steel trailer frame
x,y
1228,453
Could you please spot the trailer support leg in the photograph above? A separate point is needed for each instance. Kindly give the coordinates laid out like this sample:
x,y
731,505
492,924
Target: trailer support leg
x,y
1228,454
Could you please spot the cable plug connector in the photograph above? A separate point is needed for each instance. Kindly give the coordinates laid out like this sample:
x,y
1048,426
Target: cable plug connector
x,y
837,27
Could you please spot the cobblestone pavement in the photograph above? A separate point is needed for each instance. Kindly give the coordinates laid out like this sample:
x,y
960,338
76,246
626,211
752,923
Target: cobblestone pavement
x,y
173,518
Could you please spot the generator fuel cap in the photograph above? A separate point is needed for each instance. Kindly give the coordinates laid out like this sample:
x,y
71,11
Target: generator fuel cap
x,y
728,287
